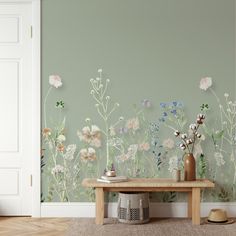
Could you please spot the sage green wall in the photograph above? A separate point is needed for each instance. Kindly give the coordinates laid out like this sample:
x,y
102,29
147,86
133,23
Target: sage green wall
x,y
155,49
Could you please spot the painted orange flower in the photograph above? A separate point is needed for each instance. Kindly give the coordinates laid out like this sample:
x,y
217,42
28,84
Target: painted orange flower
x,y
47,132
60,147
133,123
144,147
42,152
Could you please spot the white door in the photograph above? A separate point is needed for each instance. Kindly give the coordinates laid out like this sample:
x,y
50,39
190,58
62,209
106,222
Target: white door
x,y
15,109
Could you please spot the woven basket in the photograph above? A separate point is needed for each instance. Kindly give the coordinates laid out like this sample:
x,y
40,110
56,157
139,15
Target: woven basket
x,y
133,208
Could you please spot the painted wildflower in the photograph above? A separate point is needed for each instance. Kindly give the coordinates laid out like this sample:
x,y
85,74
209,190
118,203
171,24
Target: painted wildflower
x,y
58,169
112,131
115,142
60,147
55,81
172,112
61,138
219,158
91,153
105,109
144,147
123,157
175,103
59,156
132,124
146,103
47,132
122,130
204,107
205,83
88,154
223,137
226,95
154,129
168,143
131,153
70,151
163,105
60,104
91,135
173,164
132,150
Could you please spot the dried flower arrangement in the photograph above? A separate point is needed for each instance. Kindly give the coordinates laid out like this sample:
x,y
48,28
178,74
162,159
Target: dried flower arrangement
x,y
188,141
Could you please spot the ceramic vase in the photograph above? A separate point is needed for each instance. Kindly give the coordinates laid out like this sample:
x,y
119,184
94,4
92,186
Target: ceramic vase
x,y
189,167
177,176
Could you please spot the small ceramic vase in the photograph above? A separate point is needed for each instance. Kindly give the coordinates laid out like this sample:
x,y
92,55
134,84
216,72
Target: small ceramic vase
x,y
177,176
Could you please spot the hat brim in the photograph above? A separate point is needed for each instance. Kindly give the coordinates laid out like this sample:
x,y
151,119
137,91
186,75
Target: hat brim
x,y
229,221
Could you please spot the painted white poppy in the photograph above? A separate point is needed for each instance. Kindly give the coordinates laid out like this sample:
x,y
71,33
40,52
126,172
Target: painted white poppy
x,y
57,169
61,138
94,129
70,151
205,83
219,159
55,81
91,151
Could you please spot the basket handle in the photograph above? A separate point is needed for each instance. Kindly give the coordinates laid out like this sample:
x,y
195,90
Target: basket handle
x,y
118,208
128,209
141,209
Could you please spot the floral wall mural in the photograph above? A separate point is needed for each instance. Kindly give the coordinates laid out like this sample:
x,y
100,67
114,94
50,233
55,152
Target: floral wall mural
x,y
154,84
133,146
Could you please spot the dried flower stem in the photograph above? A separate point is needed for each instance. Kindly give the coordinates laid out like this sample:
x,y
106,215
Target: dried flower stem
x,y
98,94
194,138
44,107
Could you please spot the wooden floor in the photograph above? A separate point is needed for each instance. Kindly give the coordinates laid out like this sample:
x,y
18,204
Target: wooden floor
x,y
27,226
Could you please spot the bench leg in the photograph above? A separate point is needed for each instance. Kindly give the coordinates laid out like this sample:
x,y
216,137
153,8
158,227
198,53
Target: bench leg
x,y
99,206
196,206
190,204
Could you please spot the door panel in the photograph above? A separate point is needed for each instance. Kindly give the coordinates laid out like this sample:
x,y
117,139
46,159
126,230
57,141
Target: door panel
x,y
9,91
9,29
12,186
16,109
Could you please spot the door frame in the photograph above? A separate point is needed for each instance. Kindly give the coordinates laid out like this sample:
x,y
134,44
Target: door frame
x,y
36,110
36,102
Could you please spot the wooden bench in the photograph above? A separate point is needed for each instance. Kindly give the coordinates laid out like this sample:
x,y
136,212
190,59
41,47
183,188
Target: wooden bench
x,y
193,188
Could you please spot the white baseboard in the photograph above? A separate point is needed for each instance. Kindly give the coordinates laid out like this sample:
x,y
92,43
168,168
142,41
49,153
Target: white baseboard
x,y
87,209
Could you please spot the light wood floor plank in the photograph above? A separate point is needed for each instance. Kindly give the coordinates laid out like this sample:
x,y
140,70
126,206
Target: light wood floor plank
x,y
27,226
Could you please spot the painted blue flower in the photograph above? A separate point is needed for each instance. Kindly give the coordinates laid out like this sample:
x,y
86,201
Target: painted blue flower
x,y
162,119
163,105
175,104
174,112
154,142
165,114
154,127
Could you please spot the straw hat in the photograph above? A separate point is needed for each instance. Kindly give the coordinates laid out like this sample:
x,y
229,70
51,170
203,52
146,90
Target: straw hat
x,y
218,216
